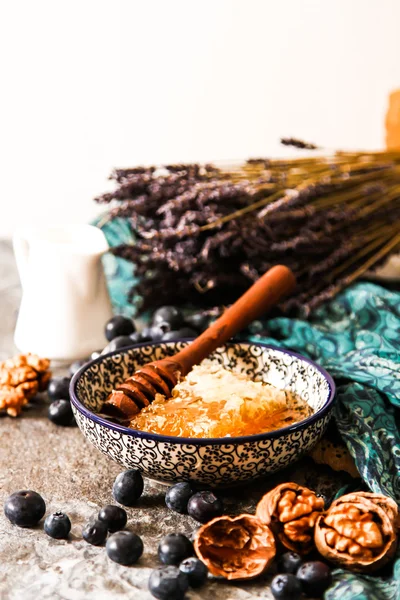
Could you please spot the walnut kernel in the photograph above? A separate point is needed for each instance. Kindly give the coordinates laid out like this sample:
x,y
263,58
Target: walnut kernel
x,y
291,510
359,531
21,377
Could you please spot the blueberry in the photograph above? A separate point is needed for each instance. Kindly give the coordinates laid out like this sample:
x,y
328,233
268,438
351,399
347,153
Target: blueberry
x,y
60,413
75,366
174,548
157,332
136,337
168,314
145,334
185,332
95,532
57,525
290,562
195,570
315,577
163,325
177,497
123,341
24,508
204,506
128,487
124,547
114,517
286,587
199,321
168,583
58,388
118,326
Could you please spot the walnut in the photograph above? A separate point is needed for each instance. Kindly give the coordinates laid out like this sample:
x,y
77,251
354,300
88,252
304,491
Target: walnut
x,y
359,531
21,378
43,380
235,548
291,510
12,400
335,455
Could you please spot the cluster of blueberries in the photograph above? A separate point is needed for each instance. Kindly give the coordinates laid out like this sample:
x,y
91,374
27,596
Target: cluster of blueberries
x,y
168,323
297,577
182,570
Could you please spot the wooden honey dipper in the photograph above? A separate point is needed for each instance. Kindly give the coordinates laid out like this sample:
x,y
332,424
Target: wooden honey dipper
x,y
161,376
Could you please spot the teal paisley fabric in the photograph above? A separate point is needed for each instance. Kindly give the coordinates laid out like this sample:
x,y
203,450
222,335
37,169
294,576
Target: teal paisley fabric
x,y
120,273
349,586
356,337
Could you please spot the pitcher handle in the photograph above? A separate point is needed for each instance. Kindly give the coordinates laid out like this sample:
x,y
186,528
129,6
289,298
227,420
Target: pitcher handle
x,y
21,253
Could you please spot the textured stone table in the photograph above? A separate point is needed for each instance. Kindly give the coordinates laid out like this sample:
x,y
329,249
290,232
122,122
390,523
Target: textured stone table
x,y
74,477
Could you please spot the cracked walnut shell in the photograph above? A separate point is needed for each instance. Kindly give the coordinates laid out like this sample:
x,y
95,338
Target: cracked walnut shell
x,y
335,455
235,547
21,378
291,511
359,531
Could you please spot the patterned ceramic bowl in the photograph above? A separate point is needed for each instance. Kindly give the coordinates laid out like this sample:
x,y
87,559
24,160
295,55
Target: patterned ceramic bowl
x,y
213,461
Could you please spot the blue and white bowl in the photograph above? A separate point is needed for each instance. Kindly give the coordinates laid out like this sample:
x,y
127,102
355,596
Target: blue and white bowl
x,y
217,462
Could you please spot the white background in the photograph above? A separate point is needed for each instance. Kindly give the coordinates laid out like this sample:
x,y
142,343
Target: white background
x,y
91,84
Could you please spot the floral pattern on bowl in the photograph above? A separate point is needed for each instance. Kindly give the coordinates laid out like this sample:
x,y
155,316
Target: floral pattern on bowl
x,y
218,462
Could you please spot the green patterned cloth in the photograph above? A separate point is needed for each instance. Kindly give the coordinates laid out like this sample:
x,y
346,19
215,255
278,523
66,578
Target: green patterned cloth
x,y
356,337
120,273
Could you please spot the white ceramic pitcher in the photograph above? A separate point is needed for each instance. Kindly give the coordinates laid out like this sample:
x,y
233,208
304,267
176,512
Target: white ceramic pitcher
x,y
65,302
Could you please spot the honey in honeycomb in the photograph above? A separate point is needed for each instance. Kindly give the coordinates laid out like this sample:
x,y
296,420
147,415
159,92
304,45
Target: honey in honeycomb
x,y
214,402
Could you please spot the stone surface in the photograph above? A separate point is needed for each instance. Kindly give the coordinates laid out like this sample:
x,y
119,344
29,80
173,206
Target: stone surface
x,y
75,478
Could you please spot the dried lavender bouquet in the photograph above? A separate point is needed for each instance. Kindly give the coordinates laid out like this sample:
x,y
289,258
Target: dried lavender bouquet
x,y
206,232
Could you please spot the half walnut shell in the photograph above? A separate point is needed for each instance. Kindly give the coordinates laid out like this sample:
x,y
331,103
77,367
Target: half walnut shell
x,y
235,548
359,531
291,510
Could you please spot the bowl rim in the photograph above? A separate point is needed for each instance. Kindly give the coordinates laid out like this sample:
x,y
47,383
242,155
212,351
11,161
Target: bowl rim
x,y
157,437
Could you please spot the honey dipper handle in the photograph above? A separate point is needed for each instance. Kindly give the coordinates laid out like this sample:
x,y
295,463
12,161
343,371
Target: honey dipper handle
x,y
263,295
